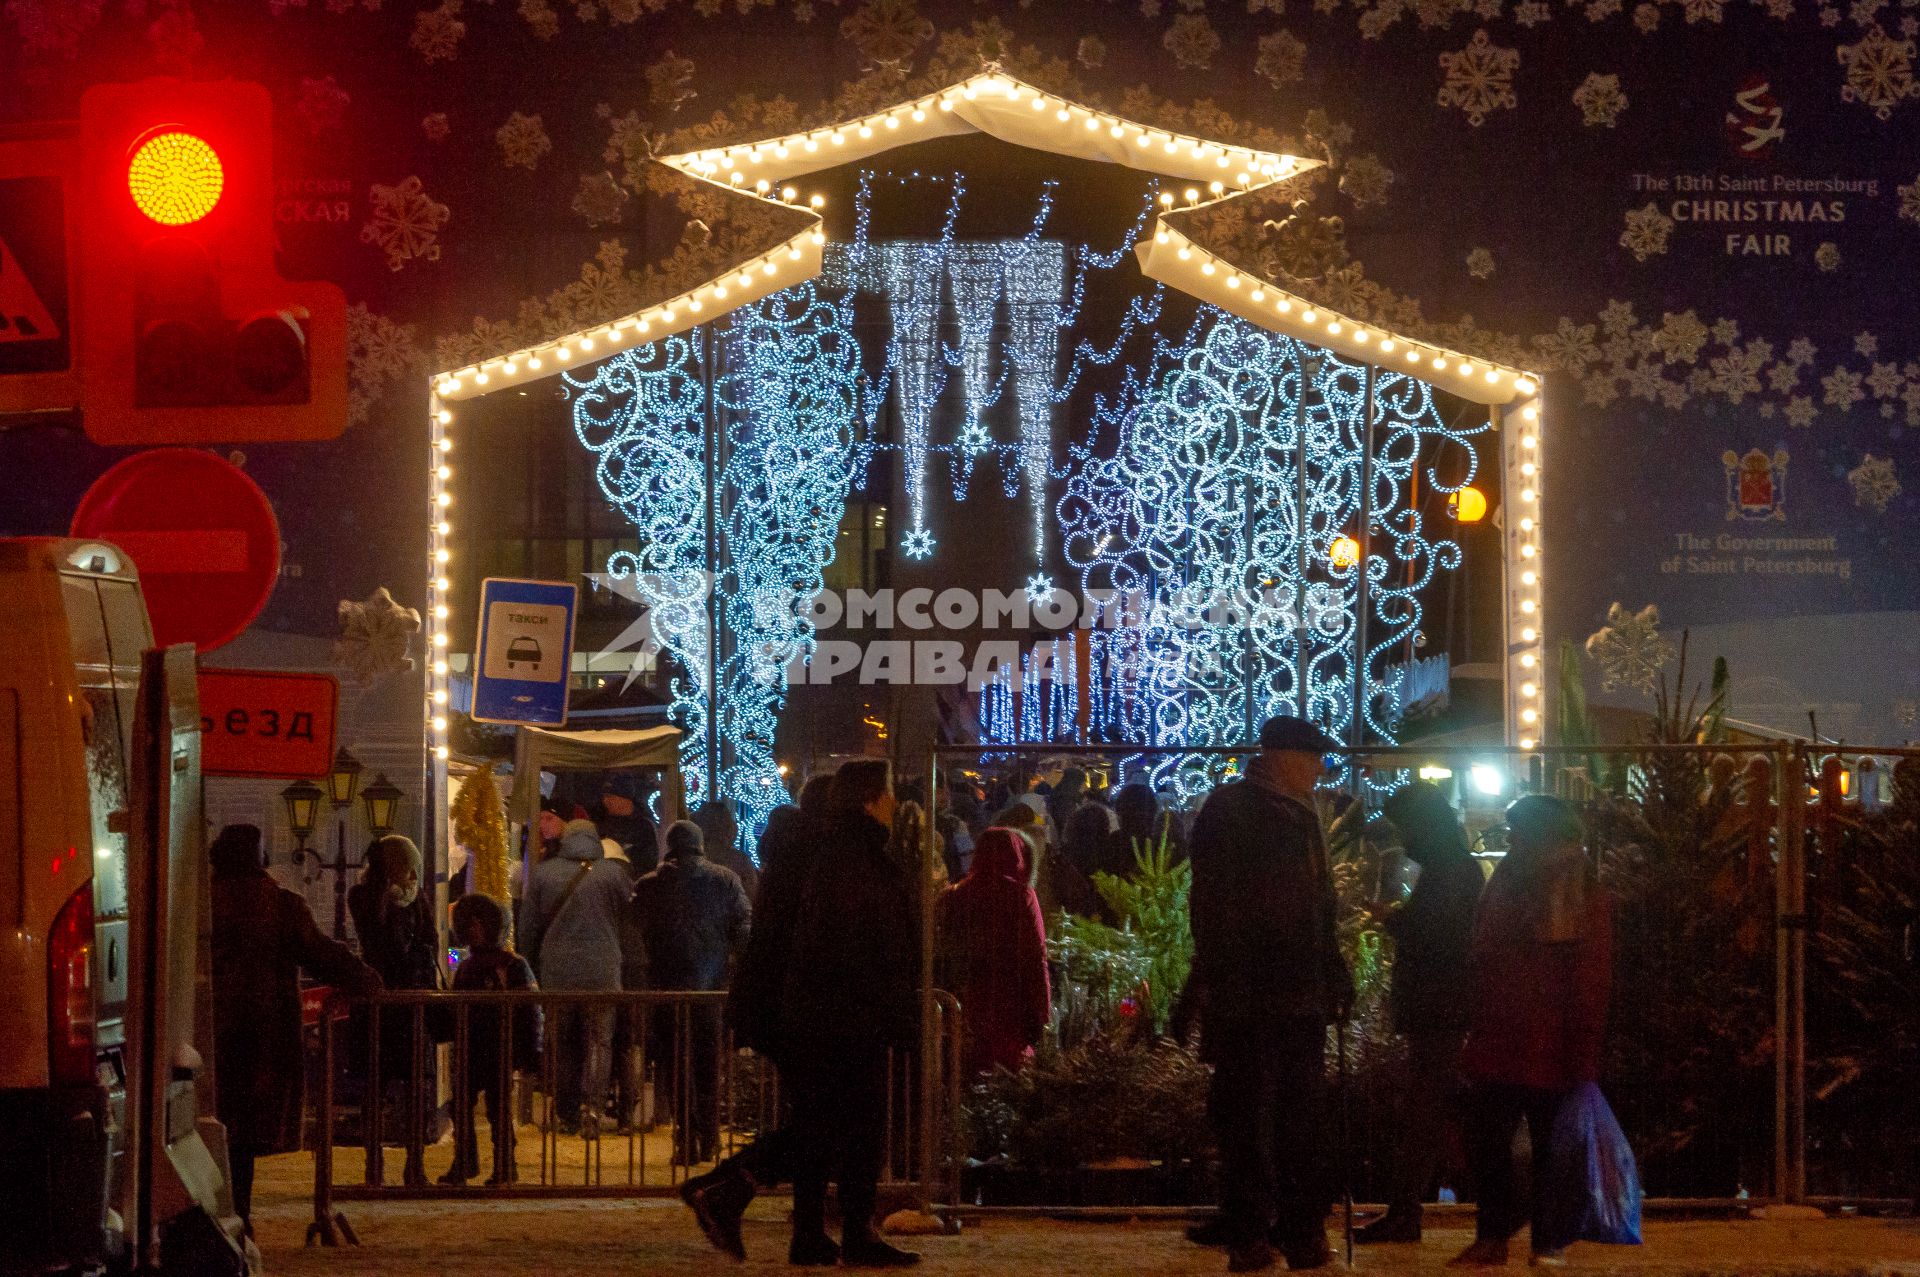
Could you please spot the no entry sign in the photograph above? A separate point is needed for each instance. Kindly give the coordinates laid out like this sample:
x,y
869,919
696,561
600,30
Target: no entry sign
x,y
267,722
202,534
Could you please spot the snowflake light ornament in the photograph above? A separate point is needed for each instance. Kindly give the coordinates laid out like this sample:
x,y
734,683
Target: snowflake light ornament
x,y
1879,72
975,439
1874,484
1600,100
405,224
523,140
1647,231
374,637
917,544
1479,78
1630,649
1039,587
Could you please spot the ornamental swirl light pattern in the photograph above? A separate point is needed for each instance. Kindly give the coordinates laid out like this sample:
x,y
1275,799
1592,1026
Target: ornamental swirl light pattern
x,y
1204,515
783,395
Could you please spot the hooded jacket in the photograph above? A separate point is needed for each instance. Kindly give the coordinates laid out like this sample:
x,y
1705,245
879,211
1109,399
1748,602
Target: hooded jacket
x,y
694,915
1433,932
993,955
1542,974
574,940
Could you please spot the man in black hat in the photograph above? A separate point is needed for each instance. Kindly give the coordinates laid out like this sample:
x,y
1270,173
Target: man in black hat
x,y
1269,965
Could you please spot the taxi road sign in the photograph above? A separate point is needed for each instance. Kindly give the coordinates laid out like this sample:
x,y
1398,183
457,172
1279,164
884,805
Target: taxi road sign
x,y
526,651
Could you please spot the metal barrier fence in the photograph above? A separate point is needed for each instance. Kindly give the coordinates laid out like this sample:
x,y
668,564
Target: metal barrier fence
x,y
682,1098
1709,852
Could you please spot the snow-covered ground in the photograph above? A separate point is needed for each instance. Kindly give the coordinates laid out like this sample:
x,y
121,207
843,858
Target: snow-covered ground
x,y
593,1239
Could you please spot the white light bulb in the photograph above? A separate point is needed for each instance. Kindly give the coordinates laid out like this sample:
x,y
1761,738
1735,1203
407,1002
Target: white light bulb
x,y
1528,636
1309,315
1525,385
446,418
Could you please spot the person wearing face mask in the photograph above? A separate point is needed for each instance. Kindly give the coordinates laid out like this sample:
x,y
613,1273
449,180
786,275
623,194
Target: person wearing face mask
x,y
394,922
1267,953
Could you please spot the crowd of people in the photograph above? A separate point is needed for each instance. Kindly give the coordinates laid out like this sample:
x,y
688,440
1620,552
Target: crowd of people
x,y
1500,993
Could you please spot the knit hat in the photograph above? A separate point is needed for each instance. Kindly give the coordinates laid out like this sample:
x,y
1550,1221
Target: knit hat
x,y
684,838
579,840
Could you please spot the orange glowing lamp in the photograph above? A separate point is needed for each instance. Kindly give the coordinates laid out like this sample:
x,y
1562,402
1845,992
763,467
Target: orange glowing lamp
x,y
1469,505
1344,552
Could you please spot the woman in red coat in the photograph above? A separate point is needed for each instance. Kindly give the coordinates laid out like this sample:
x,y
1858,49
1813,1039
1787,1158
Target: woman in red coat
x,y
1542,964
993,948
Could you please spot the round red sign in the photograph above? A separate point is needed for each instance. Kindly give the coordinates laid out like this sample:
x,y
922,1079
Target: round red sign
x,y
202,534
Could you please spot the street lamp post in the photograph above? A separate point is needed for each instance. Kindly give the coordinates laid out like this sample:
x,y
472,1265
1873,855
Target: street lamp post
x,y
343,782
382,801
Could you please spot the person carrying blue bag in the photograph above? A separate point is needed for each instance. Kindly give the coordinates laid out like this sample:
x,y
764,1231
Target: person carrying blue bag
x,y
1542,963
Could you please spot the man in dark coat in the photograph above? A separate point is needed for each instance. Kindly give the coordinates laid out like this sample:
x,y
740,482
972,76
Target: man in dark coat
x,y
851,993
1432,933
830,982
624,818
1267,954
694,916
720,1197
263,938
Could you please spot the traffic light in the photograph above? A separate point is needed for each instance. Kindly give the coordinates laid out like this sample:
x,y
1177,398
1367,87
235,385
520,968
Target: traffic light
x,y
187,332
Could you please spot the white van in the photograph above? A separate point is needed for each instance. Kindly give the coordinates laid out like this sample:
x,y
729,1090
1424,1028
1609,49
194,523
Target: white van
x,y
72,630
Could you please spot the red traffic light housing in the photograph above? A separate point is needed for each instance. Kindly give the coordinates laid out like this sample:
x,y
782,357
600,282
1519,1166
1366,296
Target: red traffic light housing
x,y
188,332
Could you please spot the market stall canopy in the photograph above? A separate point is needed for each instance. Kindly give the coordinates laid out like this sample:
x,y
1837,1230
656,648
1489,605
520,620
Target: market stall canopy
x,y
538,749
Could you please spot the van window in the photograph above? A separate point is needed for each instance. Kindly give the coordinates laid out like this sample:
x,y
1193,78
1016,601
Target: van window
x,y
109,729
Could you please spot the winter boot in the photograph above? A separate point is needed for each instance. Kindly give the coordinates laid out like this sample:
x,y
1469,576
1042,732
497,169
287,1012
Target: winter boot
x,y
813,1250
866,1250
718,1199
